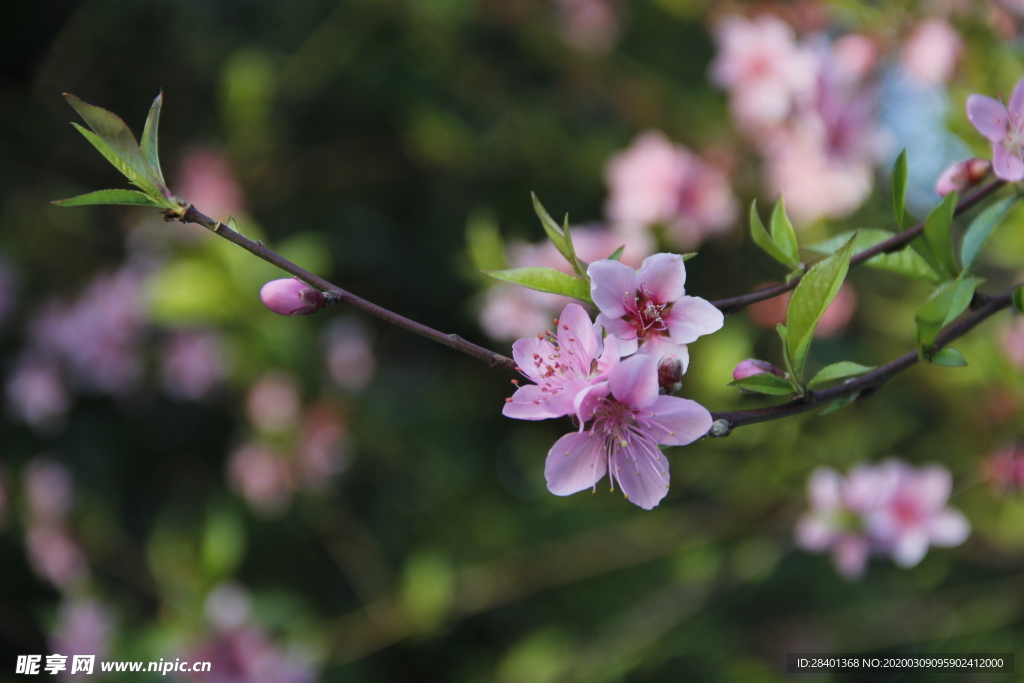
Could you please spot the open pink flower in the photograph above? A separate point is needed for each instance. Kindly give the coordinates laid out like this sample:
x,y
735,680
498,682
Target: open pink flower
x,y
561,366
647,310
1004,128
913,513
628,420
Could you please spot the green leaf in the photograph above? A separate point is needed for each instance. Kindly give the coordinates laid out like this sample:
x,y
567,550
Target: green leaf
x,y
577,265
787,357
553,231
130,197
617,254
545,280
839,403
950,358
109,127
899,188
1018,299
843,370
782,231
811,297
766,383
981,228
687,256
938,235
764,240
149,138
905,261
133,176
944,305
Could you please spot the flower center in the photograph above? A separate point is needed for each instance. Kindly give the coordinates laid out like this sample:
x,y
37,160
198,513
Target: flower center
x,y
613,420
646,316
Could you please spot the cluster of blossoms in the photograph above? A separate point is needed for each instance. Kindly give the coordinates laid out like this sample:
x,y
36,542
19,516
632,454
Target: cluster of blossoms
x,y
606,375
891,509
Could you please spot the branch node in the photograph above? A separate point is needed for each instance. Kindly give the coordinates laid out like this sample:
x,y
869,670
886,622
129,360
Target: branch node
x,y
720,428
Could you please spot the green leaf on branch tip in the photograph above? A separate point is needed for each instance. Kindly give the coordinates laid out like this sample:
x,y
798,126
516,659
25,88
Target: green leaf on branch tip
x,y
899,188
839,403
109,127
981,229
938,235
687,256
558,237
617,254
782,231
942,308
950,358
1018,299
765,241
545,280
766,383
811,297
837,371
786,356
149,138
577,265
904,262
126,197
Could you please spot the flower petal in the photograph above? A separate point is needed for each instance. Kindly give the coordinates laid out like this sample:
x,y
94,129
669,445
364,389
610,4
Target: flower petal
x,y
576,462
988,116
850,556
814,532
635,381
692,317
530,402
611,283
619,328
931,486
825,489
675,421
662,277
1017,99
658,346
1006,164
528,354
910,548
948,528
576,336
641,470
586,401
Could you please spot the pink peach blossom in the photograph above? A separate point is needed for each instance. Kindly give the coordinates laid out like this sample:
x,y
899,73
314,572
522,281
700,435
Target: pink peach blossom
x,y
628,421
193,363
647,309
560,366
1004,127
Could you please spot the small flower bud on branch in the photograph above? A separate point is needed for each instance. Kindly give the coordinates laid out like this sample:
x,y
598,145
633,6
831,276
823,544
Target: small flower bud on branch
x,y
292,296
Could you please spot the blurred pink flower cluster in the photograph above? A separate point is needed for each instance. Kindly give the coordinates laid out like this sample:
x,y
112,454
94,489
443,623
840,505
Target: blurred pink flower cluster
x,y
311,445
84,626
807,106
590,26
1004,469
241,651
53,552
891,509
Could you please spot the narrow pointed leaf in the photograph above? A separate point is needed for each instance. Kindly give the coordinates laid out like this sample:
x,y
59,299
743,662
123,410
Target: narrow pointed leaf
x,y
551,229
545,280
689,255
782,231
950,358
981,229
770,384
120,164
839,403
942,308
617,254
113,131
129,197
764,240
836,371
149,138
577,265
905,261
899,189
938,235
787,357
811,297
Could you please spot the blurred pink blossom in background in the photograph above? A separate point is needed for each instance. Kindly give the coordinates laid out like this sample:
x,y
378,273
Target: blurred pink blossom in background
x,y
324,448
36,392
192,363
248,655
890,509
84,627
1004,469
348,348
765,70
55,555
654,182
208,181
590,26
48,490
931,51
273,403
1011,338
261,476
837,316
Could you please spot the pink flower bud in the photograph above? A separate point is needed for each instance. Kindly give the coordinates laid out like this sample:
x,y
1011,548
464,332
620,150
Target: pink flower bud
x,y
752,366
962,175
292,297
670,373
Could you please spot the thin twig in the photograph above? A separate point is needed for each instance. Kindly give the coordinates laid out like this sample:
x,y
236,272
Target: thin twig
x,y
865,384
894,243
335,293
